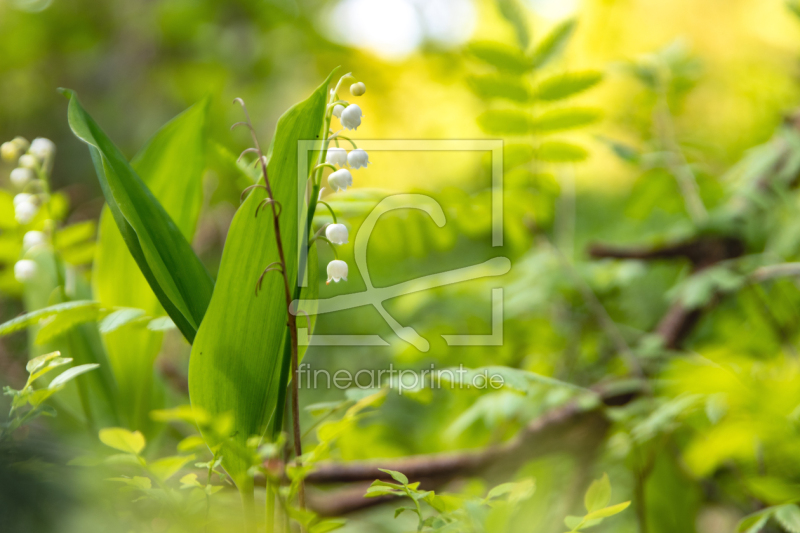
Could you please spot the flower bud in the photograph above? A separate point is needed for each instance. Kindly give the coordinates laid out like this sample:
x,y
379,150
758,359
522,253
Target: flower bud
x,y
33,238
357,89
340,180
351,117
336,156
22,144
25,270
28,161
42,148
337,110
9,151
336,233
337,270
358,158
20,177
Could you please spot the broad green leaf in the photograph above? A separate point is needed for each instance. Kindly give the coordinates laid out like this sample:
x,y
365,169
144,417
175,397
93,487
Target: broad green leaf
x,y
561,152
171,165
598,495
563,119
34,317
552,45
238,349
502,57
500,86
119,318
137,482
788,516
517,154
565,85
163,254
506,122
123,440
70,374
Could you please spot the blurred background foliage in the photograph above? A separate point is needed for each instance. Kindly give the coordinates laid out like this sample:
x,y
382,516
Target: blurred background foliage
x,y
694,97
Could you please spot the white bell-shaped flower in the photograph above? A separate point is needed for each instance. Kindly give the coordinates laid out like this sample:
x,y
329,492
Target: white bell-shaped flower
x,y
25,212
23,198
337,110
336,156
357,89
33,238
336,233
358,158
42,148
20,177
351,117
28,161
337,270
340,180
24,270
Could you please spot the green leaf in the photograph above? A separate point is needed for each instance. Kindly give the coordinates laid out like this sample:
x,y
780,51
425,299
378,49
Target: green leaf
x,y
64,321
607,511
789,517
171,165
239,346
119,318
561,152
502,57
562,119
137,482
163,323
506,122
397,476
568,84
573,522
598,495
123,440
39,362
552,45
755,522
500,86
325,526
71,374
167,467
34,317
163,254
516,15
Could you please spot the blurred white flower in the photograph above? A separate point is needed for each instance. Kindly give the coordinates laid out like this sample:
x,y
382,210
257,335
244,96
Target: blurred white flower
x,y
33,238
336,233
337,110
358,158
25,270
351,117
21,176
336,156
28,161
42,148
337,270
340,180
25,207
357,89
